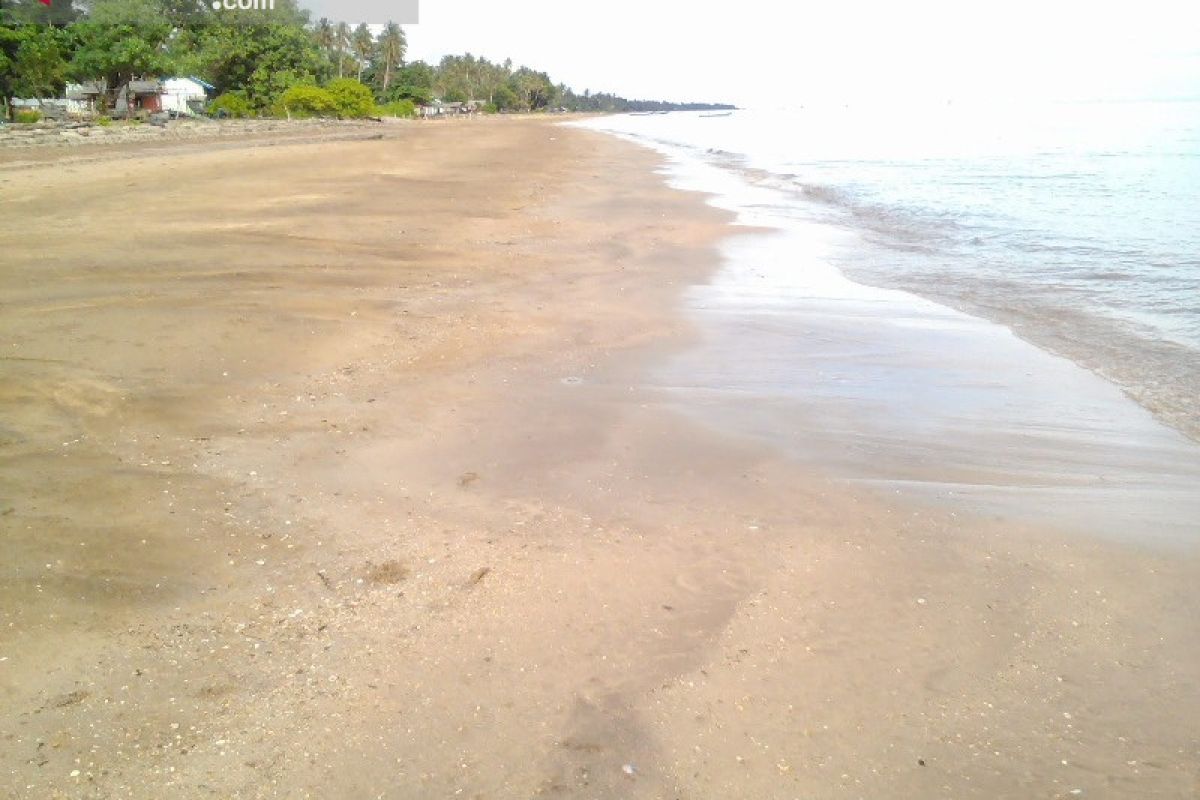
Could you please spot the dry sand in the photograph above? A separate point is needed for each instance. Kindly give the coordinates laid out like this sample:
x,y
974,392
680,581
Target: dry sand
x,y
326,471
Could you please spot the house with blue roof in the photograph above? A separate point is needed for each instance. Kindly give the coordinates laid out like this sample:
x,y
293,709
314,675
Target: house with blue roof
x,y
184,96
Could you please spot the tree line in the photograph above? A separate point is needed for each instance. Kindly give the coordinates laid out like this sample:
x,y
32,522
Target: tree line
x,y
255,58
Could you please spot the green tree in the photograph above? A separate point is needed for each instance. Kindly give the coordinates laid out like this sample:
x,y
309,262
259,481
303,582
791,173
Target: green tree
x,y
324,36
58,13
40,65
389,55
505,99
121,40
307,101
362,45
260,60
341,45
413,82
10,42
458,77
397,108
492,77
533,89
230,104
255,57
352,100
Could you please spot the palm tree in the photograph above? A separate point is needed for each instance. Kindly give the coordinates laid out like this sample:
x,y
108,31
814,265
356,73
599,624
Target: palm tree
x,y
392,46
323,36
364,46
341,42
323,33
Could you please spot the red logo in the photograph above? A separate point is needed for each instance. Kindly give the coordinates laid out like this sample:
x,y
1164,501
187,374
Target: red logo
x,y
45,2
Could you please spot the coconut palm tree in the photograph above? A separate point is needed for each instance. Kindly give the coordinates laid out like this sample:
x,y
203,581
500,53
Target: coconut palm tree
x,y
363,46
341,43
323,34
390,50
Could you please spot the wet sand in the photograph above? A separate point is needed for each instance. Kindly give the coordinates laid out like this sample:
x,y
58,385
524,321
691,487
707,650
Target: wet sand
x,y
885,388
329,469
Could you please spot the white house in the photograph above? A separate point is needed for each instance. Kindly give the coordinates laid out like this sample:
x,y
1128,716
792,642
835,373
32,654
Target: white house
x,y
177,93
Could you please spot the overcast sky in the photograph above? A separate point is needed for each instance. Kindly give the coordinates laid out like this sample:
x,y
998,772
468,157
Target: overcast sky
x,y
775,51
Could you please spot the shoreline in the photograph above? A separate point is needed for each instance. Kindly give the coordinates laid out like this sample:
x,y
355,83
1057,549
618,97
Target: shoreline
x,y
1159,374
357,487
906,392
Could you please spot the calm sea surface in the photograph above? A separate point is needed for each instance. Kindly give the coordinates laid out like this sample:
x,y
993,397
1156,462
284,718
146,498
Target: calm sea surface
x,y
1076,225
993,307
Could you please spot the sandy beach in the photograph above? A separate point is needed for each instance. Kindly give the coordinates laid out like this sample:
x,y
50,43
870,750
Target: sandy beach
x,y
328,468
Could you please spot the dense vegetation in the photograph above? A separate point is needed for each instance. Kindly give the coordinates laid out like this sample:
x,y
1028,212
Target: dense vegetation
x,y
261,62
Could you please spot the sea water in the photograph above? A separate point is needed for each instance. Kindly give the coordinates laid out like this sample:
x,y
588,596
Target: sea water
x,y
967,303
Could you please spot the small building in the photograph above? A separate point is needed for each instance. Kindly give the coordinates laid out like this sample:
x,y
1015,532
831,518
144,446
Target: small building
x,y
431,109
82,98
79,99
138,96
437,108
184,96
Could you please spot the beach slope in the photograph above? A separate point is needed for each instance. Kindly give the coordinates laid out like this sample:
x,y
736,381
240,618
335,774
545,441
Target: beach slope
x,y
328,470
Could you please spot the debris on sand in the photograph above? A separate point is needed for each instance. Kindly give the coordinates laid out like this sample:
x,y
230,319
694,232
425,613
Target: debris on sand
x,y
69,699
388,572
